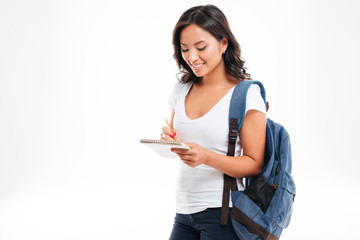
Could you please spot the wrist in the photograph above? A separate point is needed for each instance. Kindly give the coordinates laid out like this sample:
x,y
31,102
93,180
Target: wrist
x,y
208,157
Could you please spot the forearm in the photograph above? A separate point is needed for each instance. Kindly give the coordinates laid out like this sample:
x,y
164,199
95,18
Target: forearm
x,y
253,132
238,167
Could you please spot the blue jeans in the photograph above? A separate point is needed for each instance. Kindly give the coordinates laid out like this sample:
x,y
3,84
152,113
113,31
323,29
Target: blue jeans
x,y
204,225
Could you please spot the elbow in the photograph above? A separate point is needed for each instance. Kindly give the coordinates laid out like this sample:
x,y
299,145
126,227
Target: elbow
x,y
257,169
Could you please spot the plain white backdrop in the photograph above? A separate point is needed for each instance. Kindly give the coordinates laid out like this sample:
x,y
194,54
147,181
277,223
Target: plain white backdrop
x,y
82,81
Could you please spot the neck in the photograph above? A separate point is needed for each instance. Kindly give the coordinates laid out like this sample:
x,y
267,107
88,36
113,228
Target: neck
x,y
218,78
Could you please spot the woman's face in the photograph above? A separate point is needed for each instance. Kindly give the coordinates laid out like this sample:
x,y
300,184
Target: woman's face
x,y
201,50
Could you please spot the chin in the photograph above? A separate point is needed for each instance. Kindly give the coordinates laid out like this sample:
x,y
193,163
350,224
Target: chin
x,y
199,74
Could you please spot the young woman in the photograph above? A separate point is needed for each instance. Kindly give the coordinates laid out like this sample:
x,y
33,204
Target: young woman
x,y
208,57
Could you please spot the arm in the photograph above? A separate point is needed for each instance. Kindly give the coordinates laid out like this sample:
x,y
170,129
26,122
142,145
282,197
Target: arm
x,y
253,133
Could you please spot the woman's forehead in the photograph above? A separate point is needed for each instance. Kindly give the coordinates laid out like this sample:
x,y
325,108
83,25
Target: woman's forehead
x,y
194,34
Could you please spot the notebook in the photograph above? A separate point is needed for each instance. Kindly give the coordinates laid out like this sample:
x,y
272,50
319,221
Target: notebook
x,y
163,147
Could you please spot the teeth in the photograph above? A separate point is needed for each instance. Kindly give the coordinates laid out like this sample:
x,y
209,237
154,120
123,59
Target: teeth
x,y
196,66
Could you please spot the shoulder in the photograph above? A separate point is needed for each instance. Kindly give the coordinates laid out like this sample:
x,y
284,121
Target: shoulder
x,y
179,89
254,89
254,99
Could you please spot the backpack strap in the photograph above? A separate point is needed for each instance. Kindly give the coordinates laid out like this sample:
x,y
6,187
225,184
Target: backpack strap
x,y
229,182
238,100
236,118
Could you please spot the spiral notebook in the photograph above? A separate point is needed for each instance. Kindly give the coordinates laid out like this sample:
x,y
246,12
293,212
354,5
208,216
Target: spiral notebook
x,y
163,147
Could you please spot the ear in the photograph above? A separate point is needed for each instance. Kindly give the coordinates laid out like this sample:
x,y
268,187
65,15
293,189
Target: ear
x,y
224,44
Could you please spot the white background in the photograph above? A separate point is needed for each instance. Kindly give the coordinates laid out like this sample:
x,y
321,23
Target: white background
x,y
82,81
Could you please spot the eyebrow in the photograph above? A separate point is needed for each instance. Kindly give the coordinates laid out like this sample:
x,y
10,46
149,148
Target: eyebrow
x,y
201,41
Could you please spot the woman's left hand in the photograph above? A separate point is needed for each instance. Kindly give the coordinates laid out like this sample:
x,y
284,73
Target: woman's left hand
x,y
194,156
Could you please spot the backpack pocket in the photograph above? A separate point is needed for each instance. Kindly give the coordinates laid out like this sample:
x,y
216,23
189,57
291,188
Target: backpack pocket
x,y
282,205
261,192
249,221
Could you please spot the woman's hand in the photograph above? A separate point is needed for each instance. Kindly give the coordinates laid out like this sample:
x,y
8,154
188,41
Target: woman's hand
x,y
194,156
170,136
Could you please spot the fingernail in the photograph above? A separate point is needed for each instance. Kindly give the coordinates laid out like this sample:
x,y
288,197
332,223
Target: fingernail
x,y
174,134
172,149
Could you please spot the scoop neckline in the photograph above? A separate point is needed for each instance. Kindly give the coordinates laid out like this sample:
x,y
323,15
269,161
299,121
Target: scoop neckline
x,y
211,109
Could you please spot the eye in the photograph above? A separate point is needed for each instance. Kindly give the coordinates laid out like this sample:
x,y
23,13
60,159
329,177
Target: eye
x,y
201,49
184,50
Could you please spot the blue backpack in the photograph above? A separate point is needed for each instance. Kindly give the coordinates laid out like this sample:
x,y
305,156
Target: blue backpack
x,y
264,208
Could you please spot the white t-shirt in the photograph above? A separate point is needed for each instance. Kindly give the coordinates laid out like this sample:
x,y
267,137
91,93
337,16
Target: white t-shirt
x,y
201,187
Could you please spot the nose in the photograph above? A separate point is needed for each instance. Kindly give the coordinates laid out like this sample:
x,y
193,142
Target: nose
x,y
193,56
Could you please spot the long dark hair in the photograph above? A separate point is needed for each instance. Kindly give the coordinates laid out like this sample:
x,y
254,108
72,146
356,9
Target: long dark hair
x,y
213,20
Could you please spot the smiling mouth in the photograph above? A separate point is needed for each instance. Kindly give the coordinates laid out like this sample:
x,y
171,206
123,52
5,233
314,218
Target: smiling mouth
x,y
197,66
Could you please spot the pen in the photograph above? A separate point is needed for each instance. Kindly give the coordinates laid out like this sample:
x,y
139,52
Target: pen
x,y
171,130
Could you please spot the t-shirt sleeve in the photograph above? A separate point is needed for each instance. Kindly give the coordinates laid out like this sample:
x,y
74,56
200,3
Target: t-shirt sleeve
x,y
172,98
254,100
178,90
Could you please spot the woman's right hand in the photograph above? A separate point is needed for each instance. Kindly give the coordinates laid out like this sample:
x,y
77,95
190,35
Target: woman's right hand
x,y
169,136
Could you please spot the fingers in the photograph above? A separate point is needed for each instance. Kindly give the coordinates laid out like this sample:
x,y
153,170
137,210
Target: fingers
x,y
166,137
181,151
176,135
166,130
189,163
192,157
188,156
184,154
166,134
